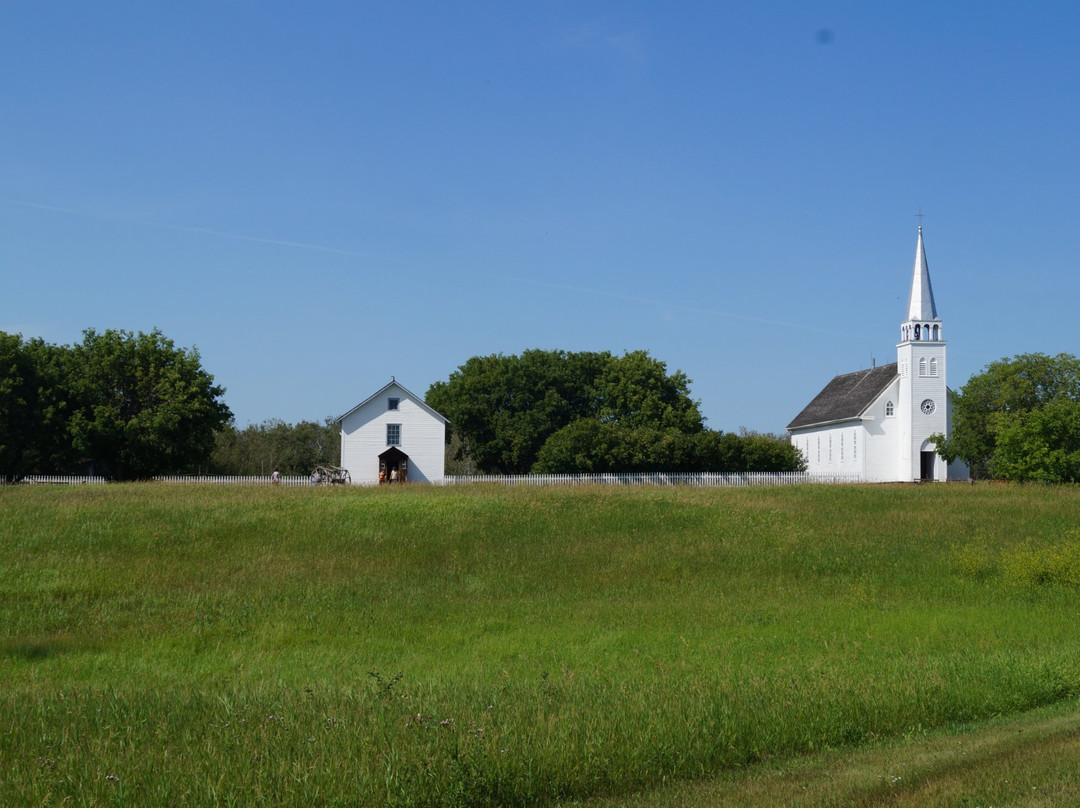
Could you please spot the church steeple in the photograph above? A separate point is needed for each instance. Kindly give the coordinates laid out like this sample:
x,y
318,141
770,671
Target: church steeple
x,y
923,409
922,321
921,302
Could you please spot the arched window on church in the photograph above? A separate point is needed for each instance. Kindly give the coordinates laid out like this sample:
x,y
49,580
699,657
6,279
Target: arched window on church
x,y
918,329
933,366
890,411
937,333
922,366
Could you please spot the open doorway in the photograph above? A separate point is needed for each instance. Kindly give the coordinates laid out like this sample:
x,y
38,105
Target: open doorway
x,y
393,466
928,459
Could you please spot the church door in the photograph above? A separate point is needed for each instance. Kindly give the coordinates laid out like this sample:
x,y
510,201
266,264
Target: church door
x,y
928,459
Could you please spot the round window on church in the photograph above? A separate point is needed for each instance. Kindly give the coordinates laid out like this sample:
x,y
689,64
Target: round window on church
x,y
928,406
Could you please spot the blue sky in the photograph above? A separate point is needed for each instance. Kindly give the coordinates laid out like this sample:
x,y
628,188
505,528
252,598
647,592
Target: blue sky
x,y
320,196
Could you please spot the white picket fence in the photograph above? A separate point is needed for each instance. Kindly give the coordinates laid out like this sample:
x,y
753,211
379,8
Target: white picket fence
x,y
698,480
290,481
62,479
198,479
694,479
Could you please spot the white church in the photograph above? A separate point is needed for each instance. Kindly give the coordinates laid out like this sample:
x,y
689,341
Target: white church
x,y
393,436
876,424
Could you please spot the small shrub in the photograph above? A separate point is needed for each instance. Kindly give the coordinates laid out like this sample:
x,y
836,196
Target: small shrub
x,y
1035,566
1030,565
974,560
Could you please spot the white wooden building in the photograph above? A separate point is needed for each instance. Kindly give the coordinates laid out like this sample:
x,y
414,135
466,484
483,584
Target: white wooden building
x,y
877,423
394,432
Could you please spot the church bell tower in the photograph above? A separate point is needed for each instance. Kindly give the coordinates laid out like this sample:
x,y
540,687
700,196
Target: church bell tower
x,y
920,359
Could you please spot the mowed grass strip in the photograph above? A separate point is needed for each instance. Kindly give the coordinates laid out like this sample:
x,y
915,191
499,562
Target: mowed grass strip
x,y
493,646
1026,761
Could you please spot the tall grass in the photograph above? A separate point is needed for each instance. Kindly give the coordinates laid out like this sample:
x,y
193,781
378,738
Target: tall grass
x,y
488,646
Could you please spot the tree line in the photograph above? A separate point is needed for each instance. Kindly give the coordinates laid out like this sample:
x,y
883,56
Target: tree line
x,y
122,405
274,444
565,412
134,405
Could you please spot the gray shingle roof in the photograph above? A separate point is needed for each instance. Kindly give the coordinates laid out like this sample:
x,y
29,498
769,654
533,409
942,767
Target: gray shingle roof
x,y
846,396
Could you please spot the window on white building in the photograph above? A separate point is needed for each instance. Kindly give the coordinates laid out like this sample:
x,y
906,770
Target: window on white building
x,y
890,411
392,403
922,366
393,434
933,367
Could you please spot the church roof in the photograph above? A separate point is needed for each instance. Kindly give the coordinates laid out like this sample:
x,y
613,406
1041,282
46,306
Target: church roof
x,y
393,383
846,396
921,302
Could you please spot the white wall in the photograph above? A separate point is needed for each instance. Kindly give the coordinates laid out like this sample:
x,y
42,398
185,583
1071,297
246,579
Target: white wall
x,y
883,435
833,449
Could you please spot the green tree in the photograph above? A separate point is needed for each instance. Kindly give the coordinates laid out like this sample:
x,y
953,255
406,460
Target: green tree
x,y
719,451
764,452
142,405
275,444
1040,444
636,390
997,402
591,446
33,408
584,446
238,451
504,408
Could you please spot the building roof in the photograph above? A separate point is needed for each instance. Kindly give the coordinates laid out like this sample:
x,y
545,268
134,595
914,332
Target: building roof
x,y
846,397
921,305
393,383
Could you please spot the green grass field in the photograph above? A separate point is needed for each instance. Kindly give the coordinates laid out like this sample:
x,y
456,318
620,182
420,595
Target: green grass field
x,y
411,646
